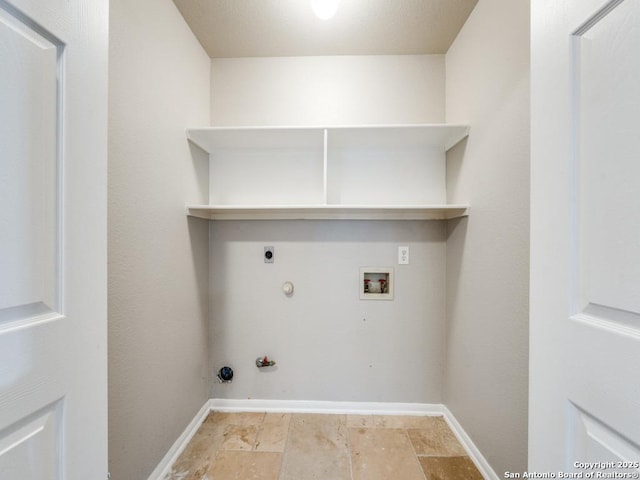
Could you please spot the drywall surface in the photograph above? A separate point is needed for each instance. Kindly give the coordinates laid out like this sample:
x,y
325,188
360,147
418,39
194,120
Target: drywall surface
x,y
487,254
341,90
158,259
328,344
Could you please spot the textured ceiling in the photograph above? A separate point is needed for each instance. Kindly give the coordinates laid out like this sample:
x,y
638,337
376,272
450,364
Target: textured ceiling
x,y
273,28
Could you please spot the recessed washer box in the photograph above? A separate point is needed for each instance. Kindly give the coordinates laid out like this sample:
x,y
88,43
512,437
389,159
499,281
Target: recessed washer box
x,y
376,283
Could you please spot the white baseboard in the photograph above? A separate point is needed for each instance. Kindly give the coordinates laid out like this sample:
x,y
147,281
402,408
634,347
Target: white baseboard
x,y
311,406
485,469
176,449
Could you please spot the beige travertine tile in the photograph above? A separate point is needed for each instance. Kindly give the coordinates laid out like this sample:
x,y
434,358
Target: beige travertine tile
x,y
241,418
245,466
436,439
191,466
448,468
381,454
197,456
317,448
239,437
404,421
360,421
272,435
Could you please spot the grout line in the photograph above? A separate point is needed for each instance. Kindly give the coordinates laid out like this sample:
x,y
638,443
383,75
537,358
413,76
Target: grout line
x,y
259,429
415,454
346,419
286,445
213,458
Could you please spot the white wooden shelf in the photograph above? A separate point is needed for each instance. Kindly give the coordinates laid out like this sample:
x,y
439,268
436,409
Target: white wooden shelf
x,y
373,172
327,212
437,135
212,139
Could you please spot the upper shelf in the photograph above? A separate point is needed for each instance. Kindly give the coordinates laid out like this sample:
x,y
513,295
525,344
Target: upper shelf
x,y
328,212
214,138
441,136
379,172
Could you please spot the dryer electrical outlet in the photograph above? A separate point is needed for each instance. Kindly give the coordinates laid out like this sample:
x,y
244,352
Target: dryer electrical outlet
x,y
403,255
269,254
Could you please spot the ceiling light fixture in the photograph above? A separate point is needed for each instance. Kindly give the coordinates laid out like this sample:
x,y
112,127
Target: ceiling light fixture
x,y
325,9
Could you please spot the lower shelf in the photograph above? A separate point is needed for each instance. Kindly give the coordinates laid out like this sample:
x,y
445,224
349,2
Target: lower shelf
x,y
327,212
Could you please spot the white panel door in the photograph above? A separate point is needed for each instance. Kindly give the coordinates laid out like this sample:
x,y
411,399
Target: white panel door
x,y
585,238
53,132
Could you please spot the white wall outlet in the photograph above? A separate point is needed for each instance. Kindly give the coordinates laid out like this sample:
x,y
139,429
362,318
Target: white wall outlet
x,y
403,255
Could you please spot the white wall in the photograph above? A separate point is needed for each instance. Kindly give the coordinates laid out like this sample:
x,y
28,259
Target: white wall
x,y
348,90
158,272
329,345
487,254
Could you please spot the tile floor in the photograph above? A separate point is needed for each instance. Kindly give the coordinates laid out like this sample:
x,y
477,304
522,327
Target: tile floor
x,y
285,446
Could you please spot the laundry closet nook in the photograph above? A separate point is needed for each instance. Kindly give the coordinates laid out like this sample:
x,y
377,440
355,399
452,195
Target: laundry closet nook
x,y
342,223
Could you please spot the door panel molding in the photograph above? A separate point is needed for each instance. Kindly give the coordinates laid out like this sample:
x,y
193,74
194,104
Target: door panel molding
x,y
31,177
605,258
593,441
610,318
32,448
